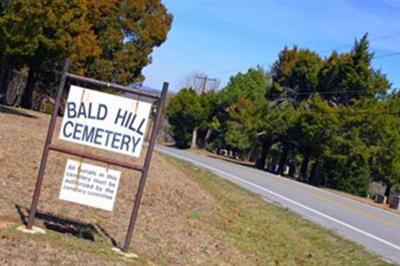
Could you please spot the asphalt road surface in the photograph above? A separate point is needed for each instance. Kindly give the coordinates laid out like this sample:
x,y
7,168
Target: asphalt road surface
x,y
376,229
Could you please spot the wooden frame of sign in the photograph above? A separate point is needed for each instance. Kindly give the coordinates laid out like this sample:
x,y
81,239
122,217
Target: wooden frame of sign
x,y
67,79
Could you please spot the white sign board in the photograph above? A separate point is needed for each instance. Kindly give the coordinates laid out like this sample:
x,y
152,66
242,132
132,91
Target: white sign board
x,y
90,185
105,121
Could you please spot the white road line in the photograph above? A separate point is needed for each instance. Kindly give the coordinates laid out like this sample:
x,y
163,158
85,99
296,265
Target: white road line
x,y
338,196
284,198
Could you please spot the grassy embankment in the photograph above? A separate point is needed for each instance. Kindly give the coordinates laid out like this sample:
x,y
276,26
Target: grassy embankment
x,y
269,234
188,216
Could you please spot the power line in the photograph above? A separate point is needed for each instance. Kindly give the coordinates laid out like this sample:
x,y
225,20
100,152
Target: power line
x,y
246,68
321,92
387,55
386,36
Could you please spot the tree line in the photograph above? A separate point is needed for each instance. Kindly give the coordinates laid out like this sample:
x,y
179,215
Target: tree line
x,y
331,121
110,40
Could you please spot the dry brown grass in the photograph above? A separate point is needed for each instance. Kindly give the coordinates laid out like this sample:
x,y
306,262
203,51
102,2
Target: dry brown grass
x,y
187,217
166,231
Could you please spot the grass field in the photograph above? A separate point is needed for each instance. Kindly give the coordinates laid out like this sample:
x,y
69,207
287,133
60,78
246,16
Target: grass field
x,y
269,234
188,216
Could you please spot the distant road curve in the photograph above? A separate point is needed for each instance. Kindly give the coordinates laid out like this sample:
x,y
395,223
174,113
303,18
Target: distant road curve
x,y
376,229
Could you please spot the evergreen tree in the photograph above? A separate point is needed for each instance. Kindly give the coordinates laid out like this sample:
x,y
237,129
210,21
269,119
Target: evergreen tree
x,y
185,113
384,124
239,108
316,124
295,75
349,76
333,114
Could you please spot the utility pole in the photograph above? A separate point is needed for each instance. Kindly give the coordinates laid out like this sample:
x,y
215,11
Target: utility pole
x,y
205,80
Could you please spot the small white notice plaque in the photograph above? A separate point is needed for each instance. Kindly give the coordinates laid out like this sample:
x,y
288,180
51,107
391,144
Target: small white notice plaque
x,y
90,185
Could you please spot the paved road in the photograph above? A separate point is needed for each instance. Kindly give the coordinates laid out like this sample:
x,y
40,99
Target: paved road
x,y
376,229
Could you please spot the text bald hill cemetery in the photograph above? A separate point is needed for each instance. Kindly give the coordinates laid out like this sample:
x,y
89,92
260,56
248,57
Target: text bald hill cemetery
x,y
105,121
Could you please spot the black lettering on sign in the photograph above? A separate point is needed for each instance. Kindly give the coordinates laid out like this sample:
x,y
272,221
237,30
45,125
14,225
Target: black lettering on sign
x,y
134,144
89,114
102,112
129,120
131,127
121,117
140,127
88,135
65,129
71,109
71,167
125,142
77,131
87,111
116,141
108,132
82,111
99,136
102,137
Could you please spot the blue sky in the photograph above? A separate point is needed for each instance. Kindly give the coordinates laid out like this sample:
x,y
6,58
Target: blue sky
x,y
223,37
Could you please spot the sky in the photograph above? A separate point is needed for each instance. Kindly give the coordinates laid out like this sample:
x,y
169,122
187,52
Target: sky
x,y
224,37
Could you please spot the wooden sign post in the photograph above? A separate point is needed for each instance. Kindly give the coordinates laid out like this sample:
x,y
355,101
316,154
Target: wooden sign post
x,y
104,121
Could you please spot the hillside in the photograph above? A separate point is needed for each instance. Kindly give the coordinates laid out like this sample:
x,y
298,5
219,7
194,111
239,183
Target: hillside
x,y
187,217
